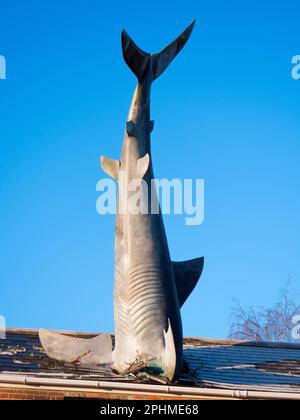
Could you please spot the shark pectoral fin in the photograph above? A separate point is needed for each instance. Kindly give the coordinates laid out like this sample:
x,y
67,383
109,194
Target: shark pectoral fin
x,y
187,274
83,351
143,165
169,357
110,166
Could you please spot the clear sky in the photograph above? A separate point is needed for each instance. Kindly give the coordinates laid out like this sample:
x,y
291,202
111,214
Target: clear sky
x,y
227,110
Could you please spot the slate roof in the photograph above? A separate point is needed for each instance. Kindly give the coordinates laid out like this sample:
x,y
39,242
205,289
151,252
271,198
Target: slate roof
x,y
215,364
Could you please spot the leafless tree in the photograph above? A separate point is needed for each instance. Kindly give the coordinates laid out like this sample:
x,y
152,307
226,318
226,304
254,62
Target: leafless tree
x,y
273,324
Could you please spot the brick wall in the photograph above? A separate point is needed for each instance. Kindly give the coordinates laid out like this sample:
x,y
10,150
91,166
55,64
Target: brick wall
x,y
29,394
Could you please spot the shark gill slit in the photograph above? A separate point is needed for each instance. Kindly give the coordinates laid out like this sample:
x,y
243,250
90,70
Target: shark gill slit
x,y
147,296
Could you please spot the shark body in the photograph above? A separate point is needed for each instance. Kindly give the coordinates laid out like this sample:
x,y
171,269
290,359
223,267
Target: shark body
x,y
149,288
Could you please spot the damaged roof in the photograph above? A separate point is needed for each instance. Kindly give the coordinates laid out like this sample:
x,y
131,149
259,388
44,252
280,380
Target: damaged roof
x,y
210,364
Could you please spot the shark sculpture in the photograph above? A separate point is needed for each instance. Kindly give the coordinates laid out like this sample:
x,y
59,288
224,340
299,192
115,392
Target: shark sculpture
x,y
149,288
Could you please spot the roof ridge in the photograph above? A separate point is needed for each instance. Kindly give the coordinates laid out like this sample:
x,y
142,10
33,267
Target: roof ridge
x,y
200,341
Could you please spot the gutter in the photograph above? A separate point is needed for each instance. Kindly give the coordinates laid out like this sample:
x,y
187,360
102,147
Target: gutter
x,y
160,390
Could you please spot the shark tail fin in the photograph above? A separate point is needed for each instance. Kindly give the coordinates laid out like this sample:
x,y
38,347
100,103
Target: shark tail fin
x,y
141,63
79,351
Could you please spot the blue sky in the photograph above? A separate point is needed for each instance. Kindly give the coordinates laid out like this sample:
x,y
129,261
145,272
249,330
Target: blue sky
x,y
227,110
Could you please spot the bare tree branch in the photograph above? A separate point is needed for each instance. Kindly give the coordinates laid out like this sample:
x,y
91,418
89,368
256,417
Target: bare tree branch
x,y
264,324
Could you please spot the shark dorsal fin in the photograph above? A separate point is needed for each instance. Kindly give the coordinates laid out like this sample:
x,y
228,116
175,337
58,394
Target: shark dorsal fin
x,y
187,274
110,166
